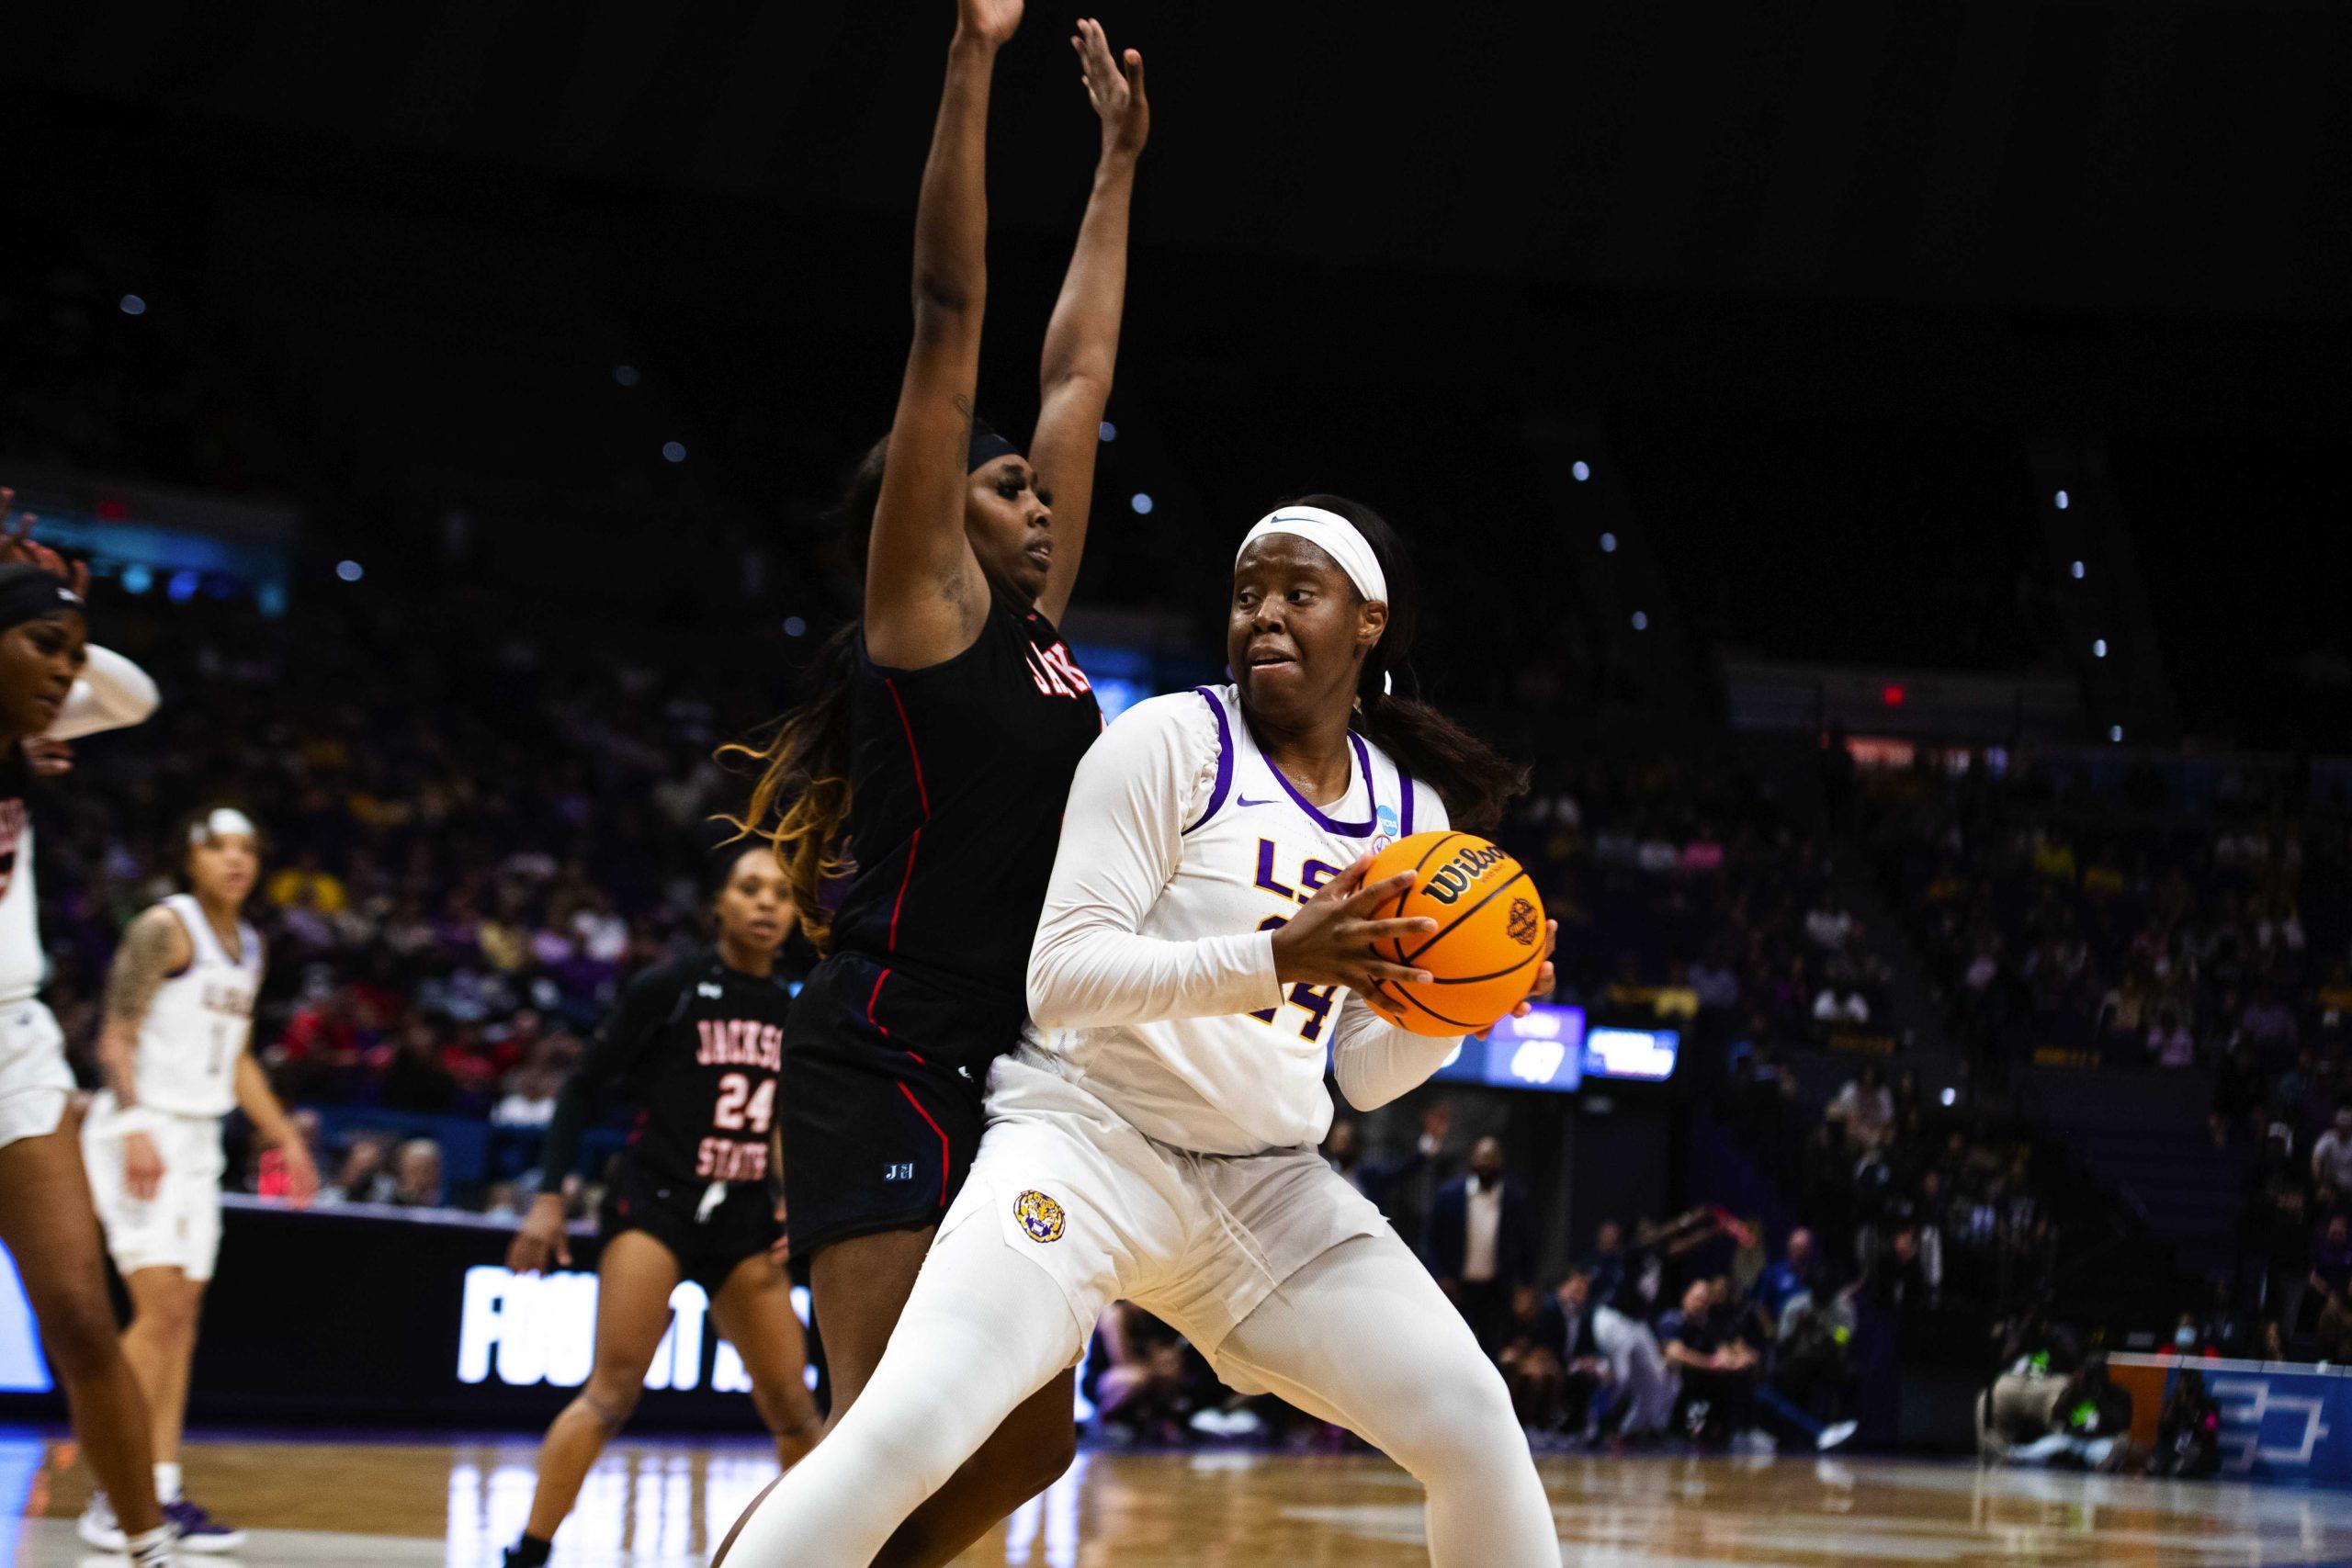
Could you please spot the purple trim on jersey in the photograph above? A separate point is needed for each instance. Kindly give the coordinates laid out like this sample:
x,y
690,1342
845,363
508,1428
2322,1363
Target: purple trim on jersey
x,y
1346,829
1224,759
1405,782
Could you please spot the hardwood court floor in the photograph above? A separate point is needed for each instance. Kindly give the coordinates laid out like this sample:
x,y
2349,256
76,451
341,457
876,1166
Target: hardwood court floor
x,y
660,1505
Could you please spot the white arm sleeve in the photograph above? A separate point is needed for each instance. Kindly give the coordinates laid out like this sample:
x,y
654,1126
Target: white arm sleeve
x,y
112,694
1122,839
1373,1059
1376,1061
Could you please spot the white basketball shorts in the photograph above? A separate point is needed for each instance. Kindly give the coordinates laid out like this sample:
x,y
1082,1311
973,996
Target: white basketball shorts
x,y
35,1082
1197,1240
179,1227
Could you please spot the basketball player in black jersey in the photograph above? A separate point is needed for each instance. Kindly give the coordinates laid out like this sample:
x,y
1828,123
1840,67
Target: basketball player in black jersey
x,y
929,773
697,1044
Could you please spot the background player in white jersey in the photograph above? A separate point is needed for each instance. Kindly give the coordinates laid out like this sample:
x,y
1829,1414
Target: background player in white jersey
x,y
54,687
178,1018
1205,935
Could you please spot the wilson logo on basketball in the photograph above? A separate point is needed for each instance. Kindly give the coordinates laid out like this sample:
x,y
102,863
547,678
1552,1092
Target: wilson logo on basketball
x,y
1522,922
1455,876
1039,1215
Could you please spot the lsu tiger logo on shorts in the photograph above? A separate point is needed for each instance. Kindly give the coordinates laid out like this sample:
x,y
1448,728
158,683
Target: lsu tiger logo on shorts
x,y
1039,1215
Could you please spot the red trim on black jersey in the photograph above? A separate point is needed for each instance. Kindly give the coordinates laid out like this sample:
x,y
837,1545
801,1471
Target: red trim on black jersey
x,y
945,1158
923,793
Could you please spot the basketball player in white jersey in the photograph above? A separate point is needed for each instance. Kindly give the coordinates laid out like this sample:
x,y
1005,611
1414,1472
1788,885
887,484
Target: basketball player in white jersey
x,y
55,687
178,1019
1205,939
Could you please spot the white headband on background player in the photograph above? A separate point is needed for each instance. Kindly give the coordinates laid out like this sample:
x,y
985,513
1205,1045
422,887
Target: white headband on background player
x,y
1336,537
214,826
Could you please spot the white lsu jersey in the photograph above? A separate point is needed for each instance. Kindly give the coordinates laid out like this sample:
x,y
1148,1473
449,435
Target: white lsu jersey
x,y
199,1021
1191,834
23,967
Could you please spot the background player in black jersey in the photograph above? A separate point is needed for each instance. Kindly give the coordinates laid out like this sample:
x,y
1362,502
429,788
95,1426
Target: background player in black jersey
x,y
697,1044
931,772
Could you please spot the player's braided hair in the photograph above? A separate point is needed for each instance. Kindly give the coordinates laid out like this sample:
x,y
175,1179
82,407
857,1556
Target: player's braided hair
x,y
800,803
1473,780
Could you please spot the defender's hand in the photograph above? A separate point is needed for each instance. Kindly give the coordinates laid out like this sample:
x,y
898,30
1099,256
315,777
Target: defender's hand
x,y
1114,86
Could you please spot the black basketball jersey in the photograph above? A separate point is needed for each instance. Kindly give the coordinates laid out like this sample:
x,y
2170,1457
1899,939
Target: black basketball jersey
x,y
958,776
695,1047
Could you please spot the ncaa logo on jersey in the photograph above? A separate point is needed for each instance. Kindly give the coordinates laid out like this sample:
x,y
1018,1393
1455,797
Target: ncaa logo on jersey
x,y
1384,821
1039,1215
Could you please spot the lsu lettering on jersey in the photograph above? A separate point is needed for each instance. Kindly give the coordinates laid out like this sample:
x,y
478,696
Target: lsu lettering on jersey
x,y
1182,833
199,1021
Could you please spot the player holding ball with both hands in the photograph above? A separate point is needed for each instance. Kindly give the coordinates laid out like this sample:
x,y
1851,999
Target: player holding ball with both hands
x,y
1208,937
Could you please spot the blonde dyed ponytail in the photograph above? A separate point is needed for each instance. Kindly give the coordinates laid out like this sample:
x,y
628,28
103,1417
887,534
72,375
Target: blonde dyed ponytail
x,y
800,803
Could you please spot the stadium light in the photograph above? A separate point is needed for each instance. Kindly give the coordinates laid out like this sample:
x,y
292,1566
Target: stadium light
x,y
132,305
2115,732
675,451
2078,572
1641,620
1582,471
1141,503
1950,1097
2061,501
350,570
795,626
1109,431
1608,543
625,374
2099,647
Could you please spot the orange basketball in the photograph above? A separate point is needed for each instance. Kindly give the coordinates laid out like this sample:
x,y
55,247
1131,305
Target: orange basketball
x,y
1489,936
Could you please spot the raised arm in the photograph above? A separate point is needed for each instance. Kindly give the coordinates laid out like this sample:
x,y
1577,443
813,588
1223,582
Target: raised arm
x,y
1083,339
925,597
112,694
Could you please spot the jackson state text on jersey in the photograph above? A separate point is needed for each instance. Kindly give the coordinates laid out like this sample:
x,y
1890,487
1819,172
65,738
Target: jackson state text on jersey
x,y
741,1106
1056,673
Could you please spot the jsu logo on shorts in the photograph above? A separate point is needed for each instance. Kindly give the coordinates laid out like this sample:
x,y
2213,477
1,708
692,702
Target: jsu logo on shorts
x,y
1039,1215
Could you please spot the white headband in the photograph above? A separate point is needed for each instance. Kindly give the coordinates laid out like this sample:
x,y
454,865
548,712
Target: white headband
x,y
1335,536
220,824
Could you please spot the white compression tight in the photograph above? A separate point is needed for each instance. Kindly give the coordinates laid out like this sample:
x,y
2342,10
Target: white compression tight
x,y
1362,1335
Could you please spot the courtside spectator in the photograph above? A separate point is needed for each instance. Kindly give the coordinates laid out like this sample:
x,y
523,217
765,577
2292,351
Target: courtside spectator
x,y
416,1175
1481,1247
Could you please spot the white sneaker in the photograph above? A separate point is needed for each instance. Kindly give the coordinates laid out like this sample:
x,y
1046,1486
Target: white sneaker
x,y
1216,1423
100,1527
157,1554
1832,1436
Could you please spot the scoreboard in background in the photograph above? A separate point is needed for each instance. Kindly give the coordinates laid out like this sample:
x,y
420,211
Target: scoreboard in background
x,y
1551,1049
